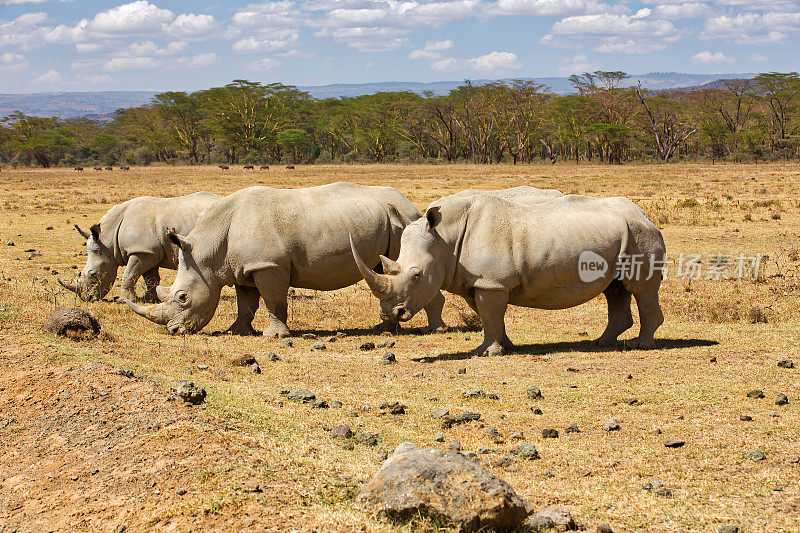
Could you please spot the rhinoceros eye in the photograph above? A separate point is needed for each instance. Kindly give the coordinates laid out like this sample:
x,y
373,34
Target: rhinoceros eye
x,y
182,297
415,272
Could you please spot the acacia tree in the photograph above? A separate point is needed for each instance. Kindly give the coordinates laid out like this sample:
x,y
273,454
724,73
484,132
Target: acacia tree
x,y
37,138
781,91
668,130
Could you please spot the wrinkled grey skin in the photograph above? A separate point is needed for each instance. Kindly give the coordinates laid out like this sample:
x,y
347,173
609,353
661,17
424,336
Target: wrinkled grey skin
x,y
266,240
494,252
133,234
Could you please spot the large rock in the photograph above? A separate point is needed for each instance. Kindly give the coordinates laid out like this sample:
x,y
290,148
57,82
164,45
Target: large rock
x,y
442,484
72,322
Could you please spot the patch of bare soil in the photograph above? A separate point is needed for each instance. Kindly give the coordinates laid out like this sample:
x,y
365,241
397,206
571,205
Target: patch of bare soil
x,y
86,448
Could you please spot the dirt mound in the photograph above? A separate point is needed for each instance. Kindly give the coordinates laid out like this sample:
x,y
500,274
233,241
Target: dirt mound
x,y
72,322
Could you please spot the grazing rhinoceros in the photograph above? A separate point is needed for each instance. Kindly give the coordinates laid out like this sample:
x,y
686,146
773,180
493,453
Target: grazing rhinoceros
x,y
133,234
550,255
266,240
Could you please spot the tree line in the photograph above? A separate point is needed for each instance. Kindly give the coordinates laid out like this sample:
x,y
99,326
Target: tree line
x,y
520,121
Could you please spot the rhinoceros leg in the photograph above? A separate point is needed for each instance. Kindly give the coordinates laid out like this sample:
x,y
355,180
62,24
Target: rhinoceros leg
x,y
151,280
273,285
434,312
137,265
491,305
650,318
247,304
620,319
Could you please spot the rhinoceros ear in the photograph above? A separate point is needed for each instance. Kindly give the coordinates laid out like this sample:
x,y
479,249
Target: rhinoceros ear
x,y
85,234
433,216
95,231
397,219
178,240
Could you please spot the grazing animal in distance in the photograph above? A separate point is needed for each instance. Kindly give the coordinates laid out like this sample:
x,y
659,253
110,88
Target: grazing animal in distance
x,y
125,168
224,167
290,167
550,255
264,167
133,234
266,240
109,168
248,167
79,169
98,168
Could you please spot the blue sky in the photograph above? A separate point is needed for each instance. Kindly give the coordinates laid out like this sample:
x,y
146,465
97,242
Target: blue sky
x,y
58,45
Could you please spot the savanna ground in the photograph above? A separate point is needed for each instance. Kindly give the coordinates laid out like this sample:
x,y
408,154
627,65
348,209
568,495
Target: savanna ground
x,y
86,448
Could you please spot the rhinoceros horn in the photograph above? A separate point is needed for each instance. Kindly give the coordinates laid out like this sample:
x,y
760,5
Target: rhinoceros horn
x,y
71,286
378,283
85,234
154,313
162,293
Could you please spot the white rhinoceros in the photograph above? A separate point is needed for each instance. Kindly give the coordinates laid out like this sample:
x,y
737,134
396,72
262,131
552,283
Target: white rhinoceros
x,y
133,234
553,254
265,240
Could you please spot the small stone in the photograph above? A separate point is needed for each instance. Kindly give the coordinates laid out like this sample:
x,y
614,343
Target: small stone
x,y
632,401
454,445
347,445
365,438
526,451
673,443
438,437
332,339
10,243
745,418
335,404
367,346
470,455
301,395
397,408
629,376
795,460
652,485
781,399
474,393
243,360
664,492
319,404
517,435
180,492
461,418
786,363
462,370
189,393
387,343
493,432
712,360
319,345
417,375
549,433
755,455
559,516
504,461
439,412
286,343
549,474
773,414
272,356
127,373
388,358
122,529
202,367
251,486
729,528
536,410
604,528
612,425
539,523
308,336
382,456
341,432
756,393
492,396
255,369
571,369
534,393
484,451
573,429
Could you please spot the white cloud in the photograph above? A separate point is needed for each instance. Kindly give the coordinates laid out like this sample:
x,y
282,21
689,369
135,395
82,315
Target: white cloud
x,y
11,62
753,28
51,76
639,24
542,8
685,10
116,64
30,19
136,17
191,25
431,50
16,2
615,45
265,64
278,14
149,48
198,61
758,58
277,40
85,64
577,65
492,62
707,57
88,48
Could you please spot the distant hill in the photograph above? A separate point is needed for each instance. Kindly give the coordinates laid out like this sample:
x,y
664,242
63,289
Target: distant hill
x,y
101,105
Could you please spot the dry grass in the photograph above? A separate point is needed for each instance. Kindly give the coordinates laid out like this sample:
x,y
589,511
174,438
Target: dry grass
x,y
598,475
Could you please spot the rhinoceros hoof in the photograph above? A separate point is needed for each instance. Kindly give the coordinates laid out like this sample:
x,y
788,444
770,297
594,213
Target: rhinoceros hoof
x,y
277,332
603,343
638,344
490,350
240,329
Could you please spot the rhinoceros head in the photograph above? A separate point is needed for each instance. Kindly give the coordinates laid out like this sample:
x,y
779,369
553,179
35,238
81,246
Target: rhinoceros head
x,y
410,283
189,304
100,271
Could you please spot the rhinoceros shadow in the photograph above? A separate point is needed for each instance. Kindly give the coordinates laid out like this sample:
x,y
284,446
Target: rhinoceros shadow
x,y
569,346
